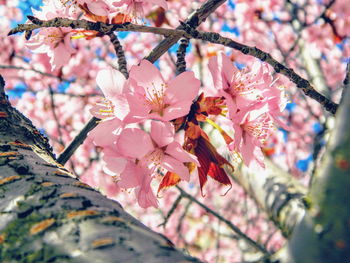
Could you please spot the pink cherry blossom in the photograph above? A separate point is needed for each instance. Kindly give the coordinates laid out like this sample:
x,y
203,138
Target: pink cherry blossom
x,y
243,88
113,84
139,177
252,129
159,150
55,42
145,195
153,98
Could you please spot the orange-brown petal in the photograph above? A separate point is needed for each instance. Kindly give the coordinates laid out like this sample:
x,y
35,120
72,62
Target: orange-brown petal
x,y
169,179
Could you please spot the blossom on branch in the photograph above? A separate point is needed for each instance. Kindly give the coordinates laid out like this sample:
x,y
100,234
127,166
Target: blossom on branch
x,y
159,149
253,103
55,42
151,97
149,156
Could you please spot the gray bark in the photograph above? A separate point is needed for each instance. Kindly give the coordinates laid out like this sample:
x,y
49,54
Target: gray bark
x,y
280,195
324,233
47,215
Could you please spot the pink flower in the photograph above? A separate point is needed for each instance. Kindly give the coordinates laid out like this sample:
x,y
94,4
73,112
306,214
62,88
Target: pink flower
x,y
252,129
159,150
135,8
145,195
113,84
55,42
111,110
105,133
241,89
151,97
139,177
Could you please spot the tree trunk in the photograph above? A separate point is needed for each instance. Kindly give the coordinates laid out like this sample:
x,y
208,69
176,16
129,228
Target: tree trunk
x,y
324,233
47,215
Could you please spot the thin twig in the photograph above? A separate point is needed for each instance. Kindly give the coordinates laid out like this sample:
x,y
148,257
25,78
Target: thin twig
x,y
36,71
123,68
234,228
79,139
180,222
171,211
180,54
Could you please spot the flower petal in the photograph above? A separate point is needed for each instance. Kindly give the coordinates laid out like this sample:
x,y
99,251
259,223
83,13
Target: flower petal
x,y
162,133
222,71
177,110
103,135
184,87
175,150
175,166
145,195
252,154
134,143
111,82
147,76
137,106
132,176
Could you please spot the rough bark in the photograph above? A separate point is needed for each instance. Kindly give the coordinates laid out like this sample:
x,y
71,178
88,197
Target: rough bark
x,y
47,215
324,233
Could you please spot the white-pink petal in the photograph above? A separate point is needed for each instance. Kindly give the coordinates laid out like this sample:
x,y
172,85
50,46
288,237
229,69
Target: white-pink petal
x,y
111,82
162,133
147,76
134,143
184,87
175,150
132,176
103,135
175,166
145,195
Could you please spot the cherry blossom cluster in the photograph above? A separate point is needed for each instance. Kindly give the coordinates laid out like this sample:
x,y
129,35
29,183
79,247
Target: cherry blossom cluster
x,y
130,151
248,98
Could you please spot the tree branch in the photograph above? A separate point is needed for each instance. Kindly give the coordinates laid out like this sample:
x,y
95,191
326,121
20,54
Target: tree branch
x,y
277,193
194,20
346,82
77,141
189,32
